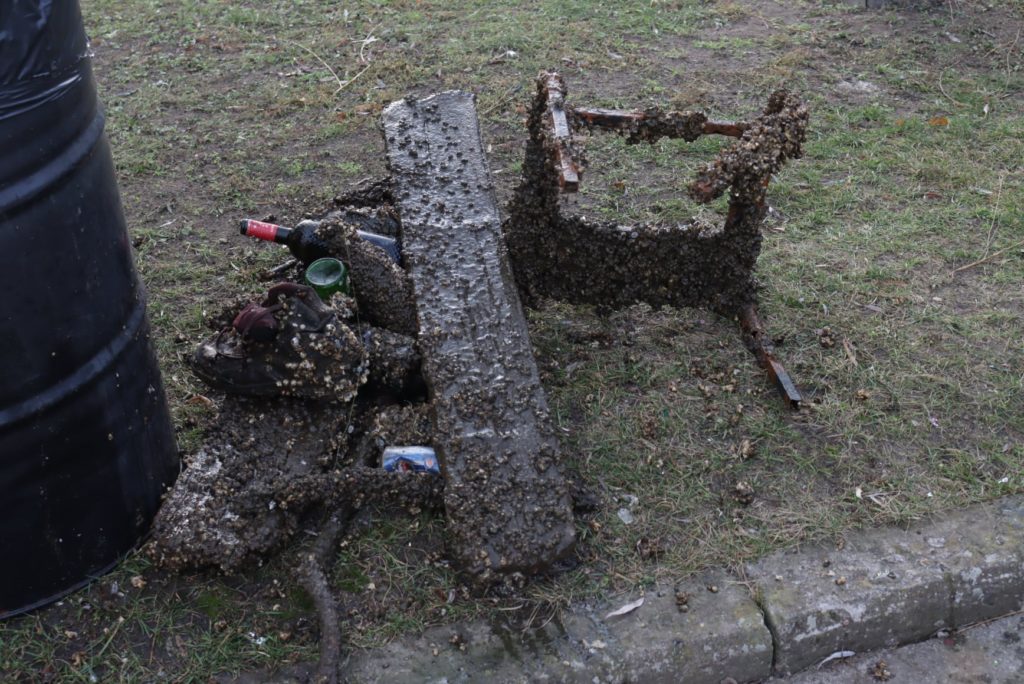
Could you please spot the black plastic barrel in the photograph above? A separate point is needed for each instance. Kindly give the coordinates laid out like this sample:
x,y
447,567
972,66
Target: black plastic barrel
x,y
86,444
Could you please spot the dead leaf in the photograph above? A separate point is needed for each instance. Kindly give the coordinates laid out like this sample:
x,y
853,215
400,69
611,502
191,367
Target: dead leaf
x,y
849,352
938,121
628,608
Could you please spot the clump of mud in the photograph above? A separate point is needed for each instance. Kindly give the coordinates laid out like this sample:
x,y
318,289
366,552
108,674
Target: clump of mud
x,y
267,465
381,288
232,505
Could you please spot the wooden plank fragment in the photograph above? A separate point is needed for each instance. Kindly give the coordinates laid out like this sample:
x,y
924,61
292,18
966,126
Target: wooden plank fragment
x,y
508,507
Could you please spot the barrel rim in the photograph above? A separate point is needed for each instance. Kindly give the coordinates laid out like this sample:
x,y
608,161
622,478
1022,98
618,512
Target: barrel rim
x,y
89,579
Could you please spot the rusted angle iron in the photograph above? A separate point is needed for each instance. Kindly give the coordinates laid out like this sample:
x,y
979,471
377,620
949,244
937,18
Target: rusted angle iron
x,y
761,347
568,173
668,122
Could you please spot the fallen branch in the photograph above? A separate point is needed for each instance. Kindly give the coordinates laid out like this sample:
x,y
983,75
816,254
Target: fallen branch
x,y
316,566
352,487
942,90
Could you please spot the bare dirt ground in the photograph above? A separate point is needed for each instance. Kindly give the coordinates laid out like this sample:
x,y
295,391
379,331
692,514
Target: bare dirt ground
x,y
890,280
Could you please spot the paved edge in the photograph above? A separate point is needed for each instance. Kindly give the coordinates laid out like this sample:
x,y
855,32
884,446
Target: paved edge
x,y
785,613
720,634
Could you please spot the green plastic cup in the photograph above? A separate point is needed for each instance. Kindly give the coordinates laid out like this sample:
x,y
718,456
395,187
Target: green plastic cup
x,y
327,276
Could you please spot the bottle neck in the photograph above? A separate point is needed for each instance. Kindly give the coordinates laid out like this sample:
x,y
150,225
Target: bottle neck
x,y
265,231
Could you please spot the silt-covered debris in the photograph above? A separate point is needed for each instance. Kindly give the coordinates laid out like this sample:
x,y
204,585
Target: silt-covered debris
x,y
266,465
431,350
585,261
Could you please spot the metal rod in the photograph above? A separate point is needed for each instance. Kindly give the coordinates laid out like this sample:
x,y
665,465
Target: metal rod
x,y
758,343
619,118
733,130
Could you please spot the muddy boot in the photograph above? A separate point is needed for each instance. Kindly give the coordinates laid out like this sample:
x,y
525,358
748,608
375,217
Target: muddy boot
x,y
292,344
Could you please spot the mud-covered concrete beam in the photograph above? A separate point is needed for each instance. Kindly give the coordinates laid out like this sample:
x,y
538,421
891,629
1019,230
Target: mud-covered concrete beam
x,y
507,504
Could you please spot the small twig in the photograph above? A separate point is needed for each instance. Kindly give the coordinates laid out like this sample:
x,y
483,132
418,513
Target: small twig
x,y
503,99
958,103
272,273
991,256
982,623
370,38
992,225
1009,53
113,633
341,84
848,348
349,81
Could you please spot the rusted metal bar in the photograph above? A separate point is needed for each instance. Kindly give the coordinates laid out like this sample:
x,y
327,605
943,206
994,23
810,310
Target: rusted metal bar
x,y
619,119
568,172
607,118
733,130
758,343
556,256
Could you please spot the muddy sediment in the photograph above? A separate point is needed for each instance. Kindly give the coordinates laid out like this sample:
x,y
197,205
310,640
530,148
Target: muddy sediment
x,y
229,507
394,425
393,360
380,286
265,467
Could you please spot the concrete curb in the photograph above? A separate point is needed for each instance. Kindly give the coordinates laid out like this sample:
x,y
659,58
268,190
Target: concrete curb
x,y
791,610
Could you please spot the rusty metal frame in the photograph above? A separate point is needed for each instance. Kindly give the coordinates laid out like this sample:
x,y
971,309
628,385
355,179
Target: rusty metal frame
x,y
744,170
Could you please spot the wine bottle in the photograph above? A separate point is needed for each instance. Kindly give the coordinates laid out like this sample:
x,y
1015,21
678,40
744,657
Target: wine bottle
x,y
306,245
